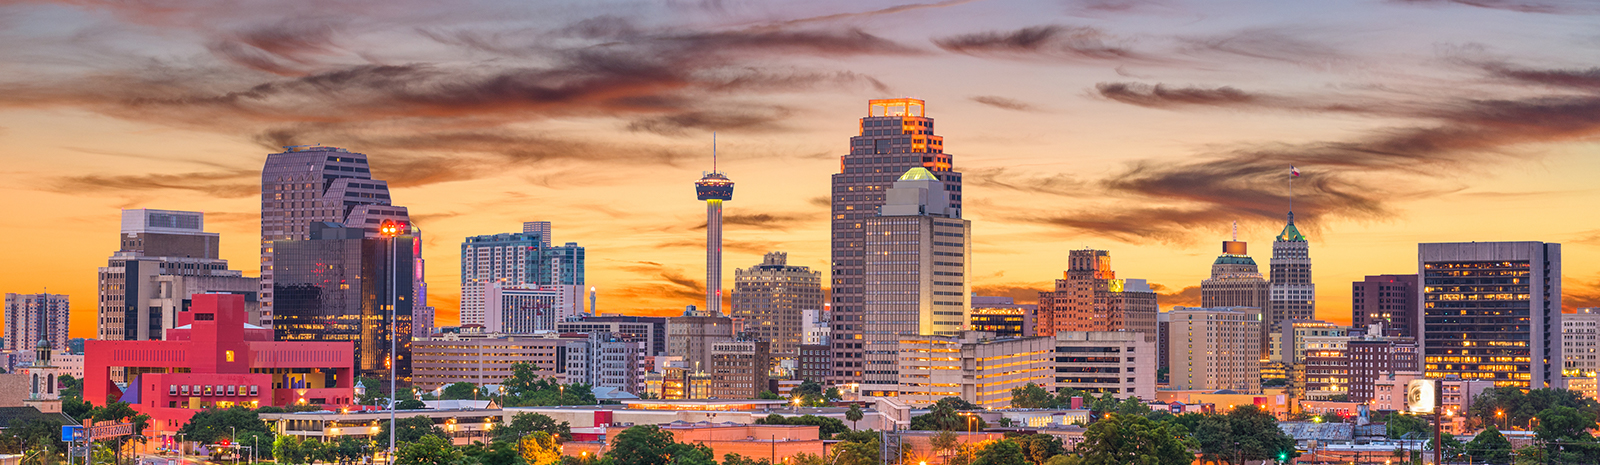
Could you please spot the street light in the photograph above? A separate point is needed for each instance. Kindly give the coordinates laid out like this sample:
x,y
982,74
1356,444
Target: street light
x,y
390,229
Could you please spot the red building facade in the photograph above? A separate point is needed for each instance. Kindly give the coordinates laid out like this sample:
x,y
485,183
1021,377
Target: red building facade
x,y
214,359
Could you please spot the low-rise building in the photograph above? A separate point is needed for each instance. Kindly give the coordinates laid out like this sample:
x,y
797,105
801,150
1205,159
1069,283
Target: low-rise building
x,y
974,366
815,362
739,369
1002,316
602,360
1372,354
1105,362
651,330
444,360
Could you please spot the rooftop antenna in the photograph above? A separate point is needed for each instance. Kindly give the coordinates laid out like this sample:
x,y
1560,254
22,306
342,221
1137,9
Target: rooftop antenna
x,y
1235,231
713,151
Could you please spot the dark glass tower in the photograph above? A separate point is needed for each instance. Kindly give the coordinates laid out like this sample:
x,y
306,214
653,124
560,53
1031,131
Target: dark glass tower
x,y
338,285
1491,311
896,136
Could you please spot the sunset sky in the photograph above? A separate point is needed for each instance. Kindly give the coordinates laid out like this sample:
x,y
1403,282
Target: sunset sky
x,y
1141,127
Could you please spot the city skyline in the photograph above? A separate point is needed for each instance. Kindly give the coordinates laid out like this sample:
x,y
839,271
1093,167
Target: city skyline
x,y
1142,128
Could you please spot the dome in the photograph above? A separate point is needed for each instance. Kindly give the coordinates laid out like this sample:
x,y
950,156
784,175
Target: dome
x,y
43,344
918,174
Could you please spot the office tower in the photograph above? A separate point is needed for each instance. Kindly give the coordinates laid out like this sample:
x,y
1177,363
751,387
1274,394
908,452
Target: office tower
x,y
690,336
815,362
1236,282
304,185
738,368
524,260
970,366
516,310
1492,311
1091,298
540,228
1579,343
916,267
601,360
714,188
651,330
1390,299
339,285
814,326
1105,362
896,135
772,299
1292,296
1163,346
1292,339
1002,316
1215,348
164,258
1372,355
31,318
439,362
422,321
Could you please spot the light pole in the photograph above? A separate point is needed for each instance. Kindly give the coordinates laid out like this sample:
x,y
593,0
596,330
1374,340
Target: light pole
x,y
390,230
233,437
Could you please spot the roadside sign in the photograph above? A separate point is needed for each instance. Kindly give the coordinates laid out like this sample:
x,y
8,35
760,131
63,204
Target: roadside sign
x,y
70,433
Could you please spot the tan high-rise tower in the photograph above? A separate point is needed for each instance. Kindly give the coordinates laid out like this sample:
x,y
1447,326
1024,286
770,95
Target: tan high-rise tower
x,y
771,298
1091,298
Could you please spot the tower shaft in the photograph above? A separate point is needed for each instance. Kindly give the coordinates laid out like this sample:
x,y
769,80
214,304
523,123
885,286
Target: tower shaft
x,y
714,256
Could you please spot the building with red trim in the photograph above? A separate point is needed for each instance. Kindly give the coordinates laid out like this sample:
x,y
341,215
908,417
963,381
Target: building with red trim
x,y
213,358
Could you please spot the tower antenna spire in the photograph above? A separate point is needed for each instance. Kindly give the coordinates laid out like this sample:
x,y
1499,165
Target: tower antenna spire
x,y
1236,230
713,151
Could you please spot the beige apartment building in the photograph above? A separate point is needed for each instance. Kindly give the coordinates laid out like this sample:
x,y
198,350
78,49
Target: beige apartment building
x,y
1215,348
972,366
1115,362
739,369
489,360
772,299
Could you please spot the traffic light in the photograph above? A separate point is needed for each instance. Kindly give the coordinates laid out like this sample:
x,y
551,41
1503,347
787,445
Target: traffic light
x,y
226,442
1283,457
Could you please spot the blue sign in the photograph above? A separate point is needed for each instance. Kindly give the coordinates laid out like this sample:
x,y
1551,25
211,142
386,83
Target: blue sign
x,y
71,433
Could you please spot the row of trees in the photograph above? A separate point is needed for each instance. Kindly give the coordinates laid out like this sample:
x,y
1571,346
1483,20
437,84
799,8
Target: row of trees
x,y
42,435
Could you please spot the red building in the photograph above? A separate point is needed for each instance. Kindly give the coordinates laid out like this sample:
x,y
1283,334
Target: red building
x,y
214,359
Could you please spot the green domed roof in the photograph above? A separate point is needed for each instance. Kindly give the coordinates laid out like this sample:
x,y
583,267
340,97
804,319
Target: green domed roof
x,y
1291,233
1228,259
918,174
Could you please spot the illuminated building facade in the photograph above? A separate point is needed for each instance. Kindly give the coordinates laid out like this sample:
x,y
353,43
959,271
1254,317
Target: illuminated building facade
x,y
524,260
1372,355
164,257
338,286
1492,311
487,360
738,369
895,136
651,330
1389,299
1215,348
1579,343
214,359
916,266
603,360
773,298
315,184
1003,316
31,318
690,336
1091,298
517,310
1236,281
972,367
1291,295
1105,362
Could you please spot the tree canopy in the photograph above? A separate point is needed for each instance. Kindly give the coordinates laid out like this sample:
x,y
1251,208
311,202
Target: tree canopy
x,y
411,429
945,415
650,445
461,390
827,426
1519,408
1398,425
527,389
1490,448
1243,433
1135,440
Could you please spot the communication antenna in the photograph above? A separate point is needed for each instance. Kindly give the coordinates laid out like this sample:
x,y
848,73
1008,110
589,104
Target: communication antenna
x,y
713,151
1235,231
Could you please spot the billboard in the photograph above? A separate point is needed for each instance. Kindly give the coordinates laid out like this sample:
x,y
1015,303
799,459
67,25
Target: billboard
x,y
1420,396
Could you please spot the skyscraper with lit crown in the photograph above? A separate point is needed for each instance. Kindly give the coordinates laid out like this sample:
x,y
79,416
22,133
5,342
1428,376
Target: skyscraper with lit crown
x,y
895,136
714,188
1292,296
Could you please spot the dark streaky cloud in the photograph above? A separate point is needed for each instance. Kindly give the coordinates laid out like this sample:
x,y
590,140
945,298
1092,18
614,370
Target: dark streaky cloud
x,y
1072,43
1004,103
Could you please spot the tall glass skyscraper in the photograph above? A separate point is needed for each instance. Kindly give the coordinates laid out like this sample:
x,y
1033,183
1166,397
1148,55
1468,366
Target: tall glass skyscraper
x,y
895,136
338,286
313,184
1492,311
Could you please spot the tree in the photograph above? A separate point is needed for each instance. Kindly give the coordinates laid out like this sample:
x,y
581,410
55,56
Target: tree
x,y
650,445
1243,433
854,415
461,390
121,411
427,450
209,425
1132,406
943,441
1039,448
767,395
410,404
411,429
1530,455
540,448
856,453
36,434
832,394
526,388
527,423
736,459
944,416
372,392
1518,407
496,453
349,449
1128,439
1398,425
286,450
1032,396
1490,448
1564,432
1000,453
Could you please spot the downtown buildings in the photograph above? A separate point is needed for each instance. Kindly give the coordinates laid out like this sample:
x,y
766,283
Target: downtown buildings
x,y
774,299
1292,295
915,274
1389,299
521,261
970,366
1215,348
895,136
1236,281
1492,311
1091,298
342,285
31,318
164,258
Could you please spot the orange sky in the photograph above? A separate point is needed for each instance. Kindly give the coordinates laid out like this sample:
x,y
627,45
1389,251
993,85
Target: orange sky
x,y
1141,127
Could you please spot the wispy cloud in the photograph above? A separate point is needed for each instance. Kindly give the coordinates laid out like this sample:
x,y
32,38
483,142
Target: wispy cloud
x,y
224,184
1005,103
1070,43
